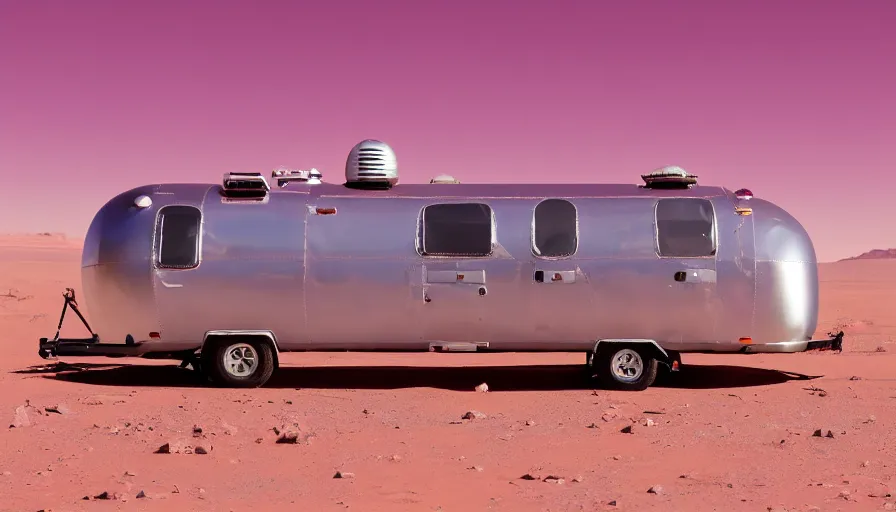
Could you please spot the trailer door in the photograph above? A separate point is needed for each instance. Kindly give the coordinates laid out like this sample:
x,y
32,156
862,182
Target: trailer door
x,y
685,282
178,241
561,298
457,242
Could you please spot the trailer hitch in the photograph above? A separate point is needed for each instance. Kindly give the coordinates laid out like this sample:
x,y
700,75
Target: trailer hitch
x,y
835,342
48,347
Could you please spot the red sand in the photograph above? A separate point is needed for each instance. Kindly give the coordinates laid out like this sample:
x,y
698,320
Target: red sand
x,y
730,432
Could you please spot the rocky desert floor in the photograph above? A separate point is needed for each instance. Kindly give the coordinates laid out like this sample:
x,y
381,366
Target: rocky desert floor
x,y
727,433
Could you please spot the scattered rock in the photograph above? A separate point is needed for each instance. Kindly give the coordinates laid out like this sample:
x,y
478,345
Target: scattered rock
x,y
473,415
552,479
578,479
21,418
58,409
199,450
648,422
165,448
141,495
105,495
482,388
290,437
818,433
342,474
530,423
628,429
476,468
656,489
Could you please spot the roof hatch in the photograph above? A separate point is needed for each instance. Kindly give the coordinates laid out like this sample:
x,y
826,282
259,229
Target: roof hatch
x,y
669,177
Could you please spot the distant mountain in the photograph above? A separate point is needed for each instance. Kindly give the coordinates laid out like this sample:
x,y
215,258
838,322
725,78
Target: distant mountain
x,y
875,254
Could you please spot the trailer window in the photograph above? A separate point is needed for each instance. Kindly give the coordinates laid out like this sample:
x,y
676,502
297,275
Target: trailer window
x,y
555,229
178,237
457,229
685,228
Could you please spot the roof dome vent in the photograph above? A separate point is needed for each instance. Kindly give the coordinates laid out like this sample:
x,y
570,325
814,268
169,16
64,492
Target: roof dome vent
x,y
669,177
371,164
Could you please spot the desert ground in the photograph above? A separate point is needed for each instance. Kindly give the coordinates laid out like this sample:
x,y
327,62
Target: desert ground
x,y
729,432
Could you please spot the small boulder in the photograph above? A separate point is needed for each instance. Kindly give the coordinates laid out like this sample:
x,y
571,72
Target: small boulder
x,y
57,409
656,489
343,474
473,415
482,388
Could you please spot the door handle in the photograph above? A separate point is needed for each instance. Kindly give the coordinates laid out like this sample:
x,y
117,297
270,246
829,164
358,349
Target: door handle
x,y
455,276
695,275
555,276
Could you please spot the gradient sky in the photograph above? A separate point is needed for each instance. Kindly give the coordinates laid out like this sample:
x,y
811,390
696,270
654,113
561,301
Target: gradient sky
x,y
795,100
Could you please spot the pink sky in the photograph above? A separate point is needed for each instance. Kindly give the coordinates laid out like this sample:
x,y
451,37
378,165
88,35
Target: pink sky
x,y
794,100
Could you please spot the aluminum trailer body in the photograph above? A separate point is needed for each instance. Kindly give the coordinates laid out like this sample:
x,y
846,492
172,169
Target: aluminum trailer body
x,y
315,266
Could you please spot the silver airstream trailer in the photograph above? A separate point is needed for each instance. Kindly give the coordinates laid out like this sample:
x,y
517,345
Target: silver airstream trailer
x,y
227,276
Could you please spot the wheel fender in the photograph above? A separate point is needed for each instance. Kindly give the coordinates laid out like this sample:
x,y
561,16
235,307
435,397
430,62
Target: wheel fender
x,y
268,336
659,353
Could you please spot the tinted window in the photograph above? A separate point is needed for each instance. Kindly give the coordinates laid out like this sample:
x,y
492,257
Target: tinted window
x,y
179,236
685,228
555,228
462,229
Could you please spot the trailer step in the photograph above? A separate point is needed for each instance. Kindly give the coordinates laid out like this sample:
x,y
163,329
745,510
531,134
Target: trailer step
x,y
457,346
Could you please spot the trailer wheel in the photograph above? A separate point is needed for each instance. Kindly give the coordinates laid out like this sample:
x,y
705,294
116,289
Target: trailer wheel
x,y
238,362
626,367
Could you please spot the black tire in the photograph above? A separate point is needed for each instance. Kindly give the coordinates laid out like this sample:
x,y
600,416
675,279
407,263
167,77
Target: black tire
x,y
213,364
641,364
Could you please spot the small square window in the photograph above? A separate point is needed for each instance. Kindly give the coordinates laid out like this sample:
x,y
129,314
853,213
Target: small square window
x,y
555,229
457,229
685,228
178,236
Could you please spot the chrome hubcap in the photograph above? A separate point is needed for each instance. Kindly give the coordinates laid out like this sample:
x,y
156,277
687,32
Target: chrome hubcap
x,y
627,365
240,360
